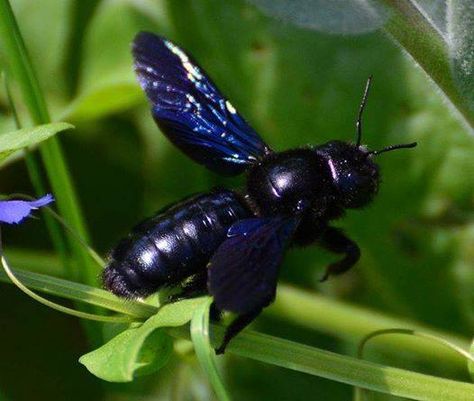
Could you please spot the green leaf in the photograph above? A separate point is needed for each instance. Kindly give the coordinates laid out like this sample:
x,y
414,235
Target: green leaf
x,y
19,139
140,350
103,100
337,16
176,314
134,352
108,84
460,26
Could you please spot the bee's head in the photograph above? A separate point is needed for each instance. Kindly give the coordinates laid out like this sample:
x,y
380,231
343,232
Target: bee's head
x,y
355,175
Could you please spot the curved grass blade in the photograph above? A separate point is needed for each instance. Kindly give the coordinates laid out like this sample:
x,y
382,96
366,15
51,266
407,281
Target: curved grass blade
x,y
204,351
57,307
358,392
274,350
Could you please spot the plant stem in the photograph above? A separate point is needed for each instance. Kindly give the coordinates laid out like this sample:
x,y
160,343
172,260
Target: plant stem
x,y
278,351
55,165
351,323
359,393
83,293
199,328
56,168
341,368
426,45
33,167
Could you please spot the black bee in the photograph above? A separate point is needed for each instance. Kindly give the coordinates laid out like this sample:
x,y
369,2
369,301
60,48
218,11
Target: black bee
x,y
226,243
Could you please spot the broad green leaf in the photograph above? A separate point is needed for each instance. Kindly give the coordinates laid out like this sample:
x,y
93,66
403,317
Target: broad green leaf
x,y
108,83
103,100
175,314
140,350
132,353
19,139
460,25
337,16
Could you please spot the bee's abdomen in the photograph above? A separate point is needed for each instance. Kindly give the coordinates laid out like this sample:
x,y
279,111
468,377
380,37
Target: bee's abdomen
x,y
173,245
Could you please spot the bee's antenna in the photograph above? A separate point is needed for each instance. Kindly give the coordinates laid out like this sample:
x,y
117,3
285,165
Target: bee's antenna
x,y
361,110
393,147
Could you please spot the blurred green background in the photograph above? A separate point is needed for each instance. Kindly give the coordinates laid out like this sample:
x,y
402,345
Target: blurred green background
x,y
295,87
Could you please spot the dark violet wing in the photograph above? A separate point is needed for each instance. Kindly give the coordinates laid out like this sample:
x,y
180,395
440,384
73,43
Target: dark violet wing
x,y
243,272
191,111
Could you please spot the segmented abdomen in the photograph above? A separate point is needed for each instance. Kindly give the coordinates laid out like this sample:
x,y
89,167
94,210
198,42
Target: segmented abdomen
x,y
172,245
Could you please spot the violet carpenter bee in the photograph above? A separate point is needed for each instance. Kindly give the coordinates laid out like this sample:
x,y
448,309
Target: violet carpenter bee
x,y
229,243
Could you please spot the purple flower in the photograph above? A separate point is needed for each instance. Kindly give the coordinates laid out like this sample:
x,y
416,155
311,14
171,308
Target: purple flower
x,y
14,211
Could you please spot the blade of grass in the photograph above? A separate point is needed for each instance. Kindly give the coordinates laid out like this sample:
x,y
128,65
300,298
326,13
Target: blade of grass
x,y
39,186
352,323
56,168
83,293
204,351
55,306
52,156
336,318
341,368
277,351
359,393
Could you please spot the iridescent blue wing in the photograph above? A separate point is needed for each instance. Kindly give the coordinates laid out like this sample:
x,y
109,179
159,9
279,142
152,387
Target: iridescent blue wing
x,y
191,111
243,272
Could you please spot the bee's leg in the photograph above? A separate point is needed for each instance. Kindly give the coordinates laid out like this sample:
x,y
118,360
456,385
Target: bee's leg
x,y
192,287
239,323
214,313
334,240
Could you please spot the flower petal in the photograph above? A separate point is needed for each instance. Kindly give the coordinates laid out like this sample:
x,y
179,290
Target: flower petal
x,y
14,211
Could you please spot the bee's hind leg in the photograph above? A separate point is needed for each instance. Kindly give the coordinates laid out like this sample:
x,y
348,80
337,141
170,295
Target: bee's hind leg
x,y
334,240
238,324
192,287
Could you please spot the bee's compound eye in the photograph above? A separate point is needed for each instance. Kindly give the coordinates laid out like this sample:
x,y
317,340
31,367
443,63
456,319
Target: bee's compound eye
x,y
356,189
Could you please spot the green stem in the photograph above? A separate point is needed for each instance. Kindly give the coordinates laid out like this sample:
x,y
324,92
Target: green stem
x,y
83,293
204,352
277,351
341,368
54,305
348,322
426,45
33,167
359,393
55,165
51,152
445,343
351,323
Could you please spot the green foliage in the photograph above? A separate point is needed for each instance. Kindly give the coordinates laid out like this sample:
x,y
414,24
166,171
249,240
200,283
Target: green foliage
x,y
133,353
27,137
460,27
203,348
140,350
296,87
